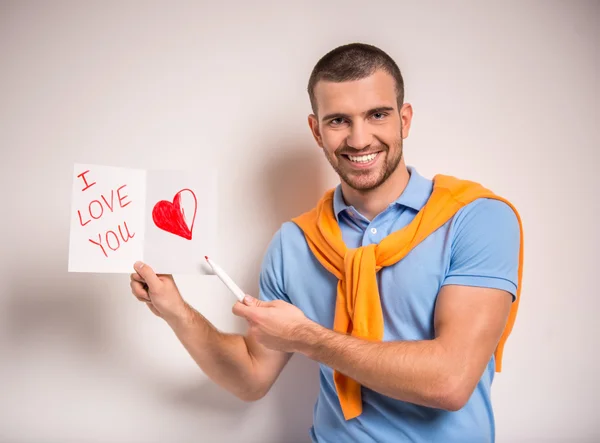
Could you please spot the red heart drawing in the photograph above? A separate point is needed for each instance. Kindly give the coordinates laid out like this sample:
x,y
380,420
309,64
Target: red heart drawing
x,y
171,217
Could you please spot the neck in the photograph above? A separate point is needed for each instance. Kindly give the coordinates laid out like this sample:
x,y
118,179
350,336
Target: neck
x,y
372,202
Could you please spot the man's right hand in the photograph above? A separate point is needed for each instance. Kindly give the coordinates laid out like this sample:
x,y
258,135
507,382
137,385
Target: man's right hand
x,y
239,364
160,293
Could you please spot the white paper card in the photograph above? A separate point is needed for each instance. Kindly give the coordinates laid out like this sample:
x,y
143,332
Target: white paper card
x,y
168,219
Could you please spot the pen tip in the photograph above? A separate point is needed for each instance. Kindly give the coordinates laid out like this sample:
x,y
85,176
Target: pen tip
x,y
206,257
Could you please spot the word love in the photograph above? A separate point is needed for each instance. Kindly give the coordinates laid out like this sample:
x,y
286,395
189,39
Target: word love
x,y
100,206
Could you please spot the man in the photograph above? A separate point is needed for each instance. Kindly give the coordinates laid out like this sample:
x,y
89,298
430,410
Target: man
x,y
406,351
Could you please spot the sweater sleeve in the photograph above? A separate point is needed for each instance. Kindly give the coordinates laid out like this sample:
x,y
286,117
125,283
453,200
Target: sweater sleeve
x,y
485,247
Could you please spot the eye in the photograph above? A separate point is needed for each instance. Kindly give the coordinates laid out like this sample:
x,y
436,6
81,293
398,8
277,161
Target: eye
x,y
379,115
336,121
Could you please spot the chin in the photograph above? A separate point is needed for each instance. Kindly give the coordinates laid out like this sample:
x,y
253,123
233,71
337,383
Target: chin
x,y
364,184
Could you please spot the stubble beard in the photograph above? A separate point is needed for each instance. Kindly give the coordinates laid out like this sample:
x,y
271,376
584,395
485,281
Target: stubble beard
x,y
369,179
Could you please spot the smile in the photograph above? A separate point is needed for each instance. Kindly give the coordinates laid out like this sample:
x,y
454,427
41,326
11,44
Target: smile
x,y
362,158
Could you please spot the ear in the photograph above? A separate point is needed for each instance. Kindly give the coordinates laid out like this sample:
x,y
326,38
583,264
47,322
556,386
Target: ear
x,y
406,113
313,123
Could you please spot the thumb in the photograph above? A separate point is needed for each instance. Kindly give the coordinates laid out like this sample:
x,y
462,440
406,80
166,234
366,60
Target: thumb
x,y
251,301
255,302
241,309
148,274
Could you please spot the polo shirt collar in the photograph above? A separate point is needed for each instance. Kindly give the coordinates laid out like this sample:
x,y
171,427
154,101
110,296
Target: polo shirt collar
x,y
414,196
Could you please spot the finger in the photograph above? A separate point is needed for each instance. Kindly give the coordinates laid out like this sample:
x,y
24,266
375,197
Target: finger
x,y
137,277
139,291
251,301
242,310
147,273
238,309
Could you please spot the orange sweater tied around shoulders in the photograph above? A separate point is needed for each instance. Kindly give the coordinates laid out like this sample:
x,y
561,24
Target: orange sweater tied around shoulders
x,y
358,307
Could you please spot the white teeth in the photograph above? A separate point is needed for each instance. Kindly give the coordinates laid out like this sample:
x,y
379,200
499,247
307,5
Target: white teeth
x,y
362,158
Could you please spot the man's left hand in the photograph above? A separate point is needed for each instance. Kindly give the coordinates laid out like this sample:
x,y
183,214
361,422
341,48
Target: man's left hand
x,y
275,324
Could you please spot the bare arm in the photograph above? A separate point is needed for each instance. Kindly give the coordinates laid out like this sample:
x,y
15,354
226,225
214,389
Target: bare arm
x,y
237,363
468,320
440,373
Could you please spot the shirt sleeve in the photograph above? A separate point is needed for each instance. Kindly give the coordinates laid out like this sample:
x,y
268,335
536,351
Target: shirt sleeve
x,y
485,247
271,285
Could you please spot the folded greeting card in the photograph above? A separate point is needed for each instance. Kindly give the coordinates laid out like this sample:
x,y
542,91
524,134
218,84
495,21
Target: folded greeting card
x,y
168,219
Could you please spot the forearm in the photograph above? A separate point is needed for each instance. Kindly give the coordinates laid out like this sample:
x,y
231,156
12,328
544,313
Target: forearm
x,y
224,358
420,372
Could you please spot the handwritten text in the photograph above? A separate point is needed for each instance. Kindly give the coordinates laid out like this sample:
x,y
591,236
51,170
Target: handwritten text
x,y
108,240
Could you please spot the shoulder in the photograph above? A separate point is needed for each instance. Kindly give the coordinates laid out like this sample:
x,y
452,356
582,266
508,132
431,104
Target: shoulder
x,y
281,255
287,241
486,240
290,237
487,216
287,236
291,231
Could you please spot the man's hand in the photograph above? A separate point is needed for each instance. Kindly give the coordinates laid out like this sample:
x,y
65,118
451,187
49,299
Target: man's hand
x,y
237,363
276,324
159,292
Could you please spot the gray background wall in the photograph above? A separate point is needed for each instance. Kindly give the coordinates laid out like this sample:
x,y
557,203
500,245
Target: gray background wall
x,y
505,93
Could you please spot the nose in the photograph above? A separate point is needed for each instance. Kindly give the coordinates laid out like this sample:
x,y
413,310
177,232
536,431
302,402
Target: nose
x,y
360,137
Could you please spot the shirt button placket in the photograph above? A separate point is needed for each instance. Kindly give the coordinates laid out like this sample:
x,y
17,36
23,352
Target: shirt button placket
x,y
373,237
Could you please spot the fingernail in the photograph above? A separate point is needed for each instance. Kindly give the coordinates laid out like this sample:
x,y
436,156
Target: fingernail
x,y
248,299
138,265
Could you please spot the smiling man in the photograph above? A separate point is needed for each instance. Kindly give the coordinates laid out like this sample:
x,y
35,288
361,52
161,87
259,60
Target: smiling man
x,y
403,288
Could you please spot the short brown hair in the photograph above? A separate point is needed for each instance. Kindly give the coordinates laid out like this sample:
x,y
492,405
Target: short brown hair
x,y
354,61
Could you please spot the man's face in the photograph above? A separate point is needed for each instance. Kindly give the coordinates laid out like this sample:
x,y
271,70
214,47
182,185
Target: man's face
x,y
360,128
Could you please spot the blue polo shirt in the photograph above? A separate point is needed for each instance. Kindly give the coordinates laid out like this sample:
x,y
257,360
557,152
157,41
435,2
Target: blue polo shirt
x,y
479,246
